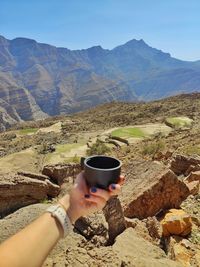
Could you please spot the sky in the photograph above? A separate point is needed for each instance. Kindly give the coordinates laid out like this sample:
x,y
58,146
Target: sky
x,y
170,25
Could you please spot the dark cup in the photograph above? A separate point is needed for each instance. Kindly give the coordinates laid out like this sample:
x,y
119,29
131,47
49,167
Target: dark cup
x,y
101,171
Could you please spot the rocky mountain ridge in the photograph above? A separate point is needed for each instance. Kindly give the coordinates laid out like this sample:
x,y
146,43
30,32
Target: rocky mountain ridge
x,y
39,80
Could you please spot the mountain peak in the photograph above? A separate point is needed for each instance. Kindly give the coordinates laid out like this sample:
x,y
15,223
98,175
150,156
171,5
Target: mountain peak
x,y
96,48
135,42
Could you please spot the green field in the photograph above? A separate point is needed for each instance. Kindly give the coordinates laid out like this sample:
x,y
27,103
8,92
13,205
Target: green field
x,y
66,147
63,154
128,132
27,131
179,122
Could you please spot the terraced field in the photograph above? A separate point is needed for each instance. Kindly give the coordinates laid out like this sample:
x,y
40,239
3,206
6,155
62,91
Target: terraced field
x,y
179,122
128,132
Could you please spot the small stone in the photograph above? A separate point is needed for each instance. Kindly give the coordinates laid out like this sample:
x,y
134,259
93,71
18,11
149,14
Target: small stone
x,y
195,211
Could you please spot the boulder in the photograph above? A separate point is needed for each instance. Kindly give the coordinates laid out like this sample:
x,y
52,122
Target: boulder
x,y
17,191
94,228
181,163
181,250
59,172
150,188
17,220
149,228
138,252
176,222
115,218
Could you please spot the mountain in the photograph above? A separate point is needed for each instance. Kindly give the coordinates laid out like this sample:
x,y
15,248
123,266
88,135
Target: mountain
x,y
39,80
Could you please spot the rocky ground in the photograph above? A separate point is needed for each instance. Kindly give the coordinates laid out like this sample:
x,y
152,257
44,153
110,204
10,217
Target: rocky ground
x,y
156,219
150,190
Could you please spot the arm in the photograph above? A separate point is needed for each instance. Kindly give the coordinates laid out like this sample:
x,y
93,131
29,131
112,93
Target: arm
x,y
31,246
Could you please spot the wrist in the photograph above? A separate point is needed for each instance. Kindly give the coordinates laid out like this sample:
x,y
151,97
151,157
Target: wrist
x,y
64,202
67,206
71,214
59,213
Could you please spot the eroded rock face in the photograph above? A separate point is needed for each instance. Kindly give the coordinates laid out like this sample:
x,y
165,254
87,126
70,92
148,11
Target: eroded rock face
x,y
115,218
37,176
61,171
17,191
150,188
180,164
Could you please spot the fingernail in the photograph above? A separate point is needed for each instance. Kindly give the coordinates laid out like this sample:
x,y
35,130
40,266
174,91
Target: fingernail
x,y
93,189
87,196
113,186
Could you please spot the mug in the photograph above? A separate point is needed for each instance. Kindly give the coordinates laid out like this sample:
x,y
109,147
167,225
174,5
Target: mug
x,y
101,171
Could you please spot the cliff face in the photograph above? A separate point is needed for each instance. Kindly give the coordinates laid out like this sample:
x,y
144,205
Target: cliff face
x,y
38,80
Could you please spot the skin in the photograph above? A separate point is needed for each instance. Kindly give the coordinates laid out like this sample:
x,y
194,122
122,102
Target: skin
x,y
31,246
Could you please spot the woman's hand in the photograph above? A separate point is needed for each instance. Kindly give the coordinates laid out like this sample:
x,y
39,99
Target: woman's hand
x,y
84,201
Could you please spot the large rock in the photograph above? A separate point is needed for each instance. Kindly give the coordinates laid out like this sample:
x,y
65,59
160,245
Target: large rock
x,y
59,172
94,228
182,251
17,220
115,218
138,252
176,222
150,188
180,163
149,229
17,191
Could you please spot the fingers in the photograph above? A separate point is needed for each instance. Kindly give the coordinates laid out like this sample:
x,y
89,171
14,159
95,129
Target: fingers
x,y
80,182
114,189
100,193
99,201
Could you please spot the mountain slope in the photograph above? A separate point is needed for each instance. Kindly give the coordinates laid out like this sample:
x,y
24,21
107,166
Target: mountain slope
x,y
38,80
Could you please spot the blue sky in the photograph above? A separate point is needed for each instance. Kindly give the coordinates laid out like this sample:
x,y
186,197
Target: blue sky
x,y
170,25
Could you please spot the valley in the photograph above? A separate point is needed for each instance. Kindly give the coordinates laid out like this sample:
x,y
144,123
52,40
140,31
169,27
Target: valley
x,y
159,145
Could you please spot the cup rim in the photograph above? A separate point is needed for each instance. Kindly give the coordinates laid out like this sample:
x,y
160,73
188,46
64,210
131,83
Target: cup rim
x,y
111,169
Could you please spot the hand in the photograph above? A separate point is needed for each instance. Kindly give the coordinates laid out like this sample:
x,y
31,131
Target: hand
x,y
84,201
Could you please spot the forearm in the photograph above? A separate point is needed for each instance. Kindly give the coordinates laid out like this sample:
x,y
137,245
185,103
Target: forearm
x,y
31,246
